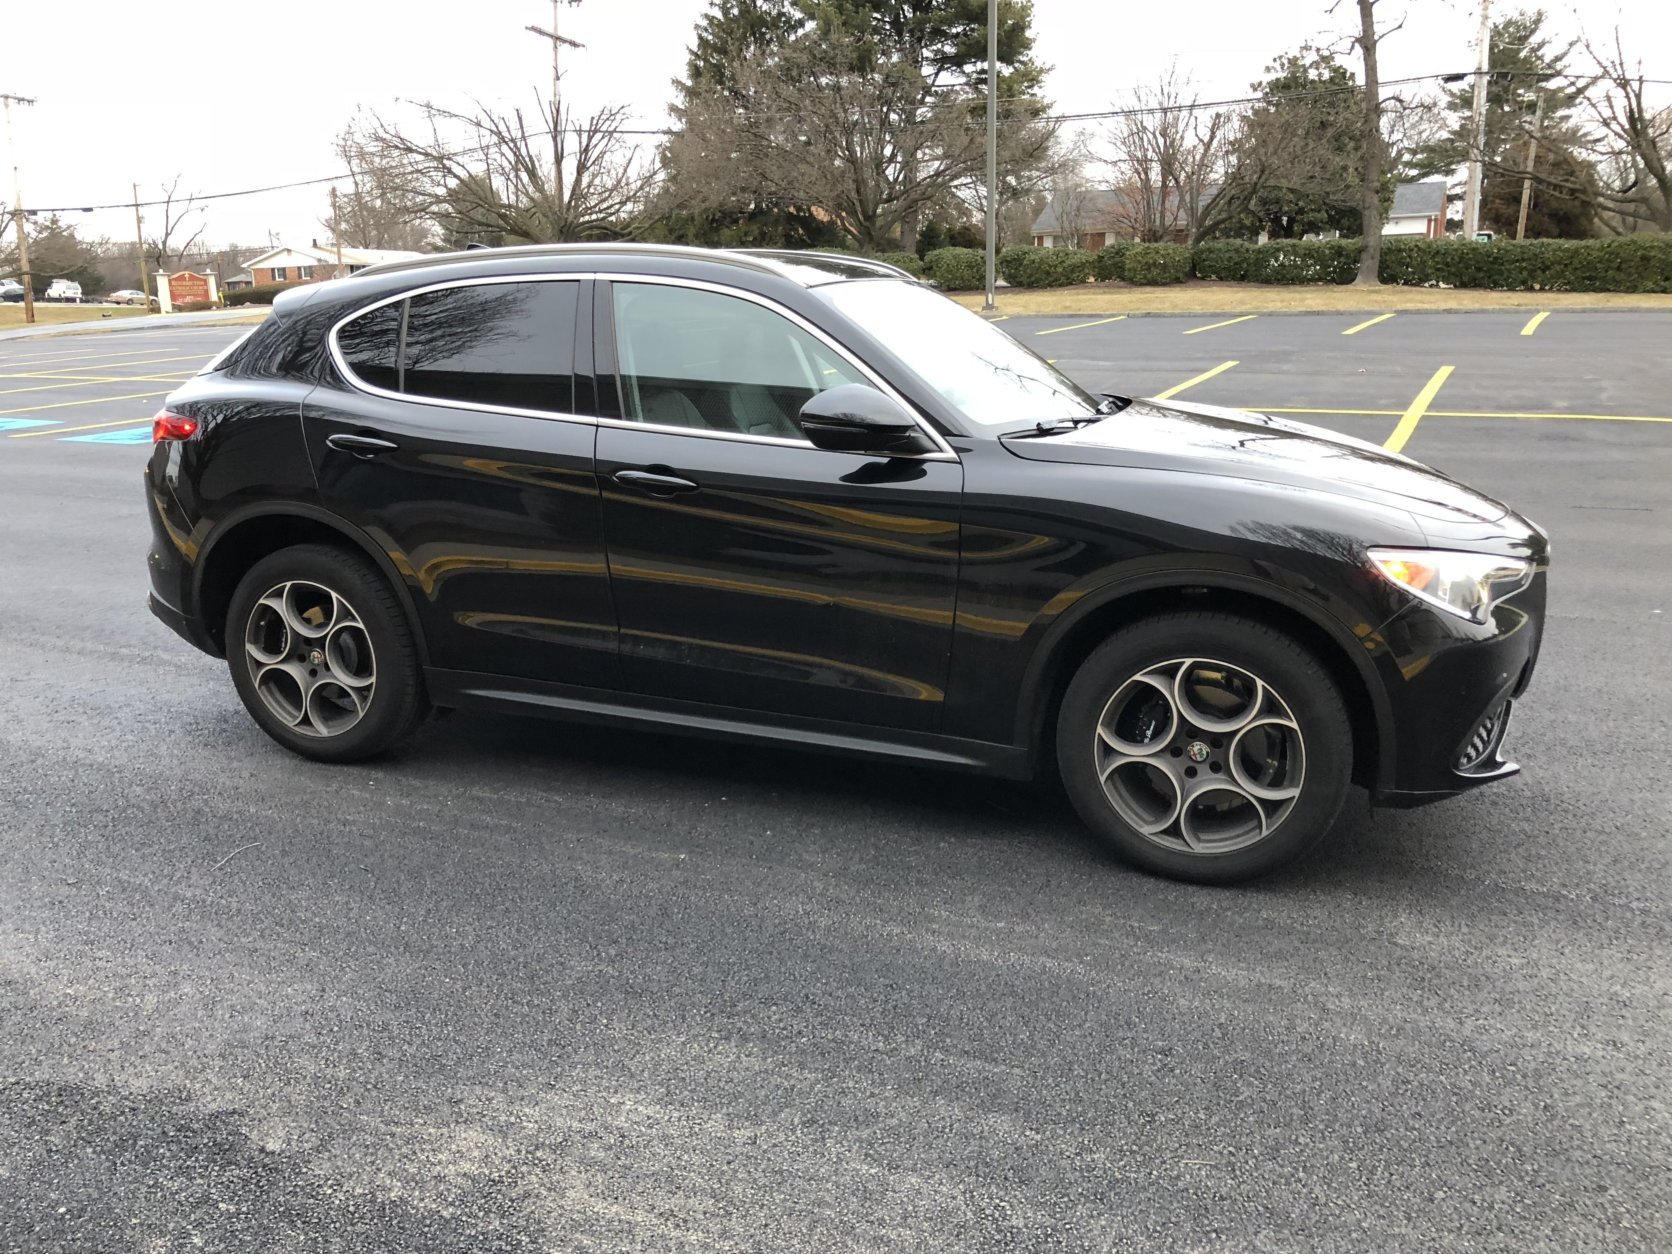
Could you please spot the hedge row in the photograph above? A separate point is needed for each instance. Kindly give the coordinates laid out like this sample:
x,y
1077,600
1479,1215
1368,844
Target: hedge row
x,y
1150,264
260,294
1637,263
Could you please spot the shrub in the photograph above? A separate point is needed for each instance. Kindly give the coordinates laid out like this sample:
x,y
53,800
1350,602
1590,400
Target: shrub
x,y
194,306
956,269
1150,264
260,294
1305,261
1110,261
1627,263
1027,266
1228,259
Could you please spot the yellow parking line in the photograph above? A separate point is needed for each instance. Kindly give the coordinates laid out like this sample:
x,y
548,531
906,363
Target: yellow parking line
x,y
1000,318
92,400
1454,413
122,365
1409,419
1533,322
1371,323
1213,325
1080,326
91,426
1190,383
103,353
1463,413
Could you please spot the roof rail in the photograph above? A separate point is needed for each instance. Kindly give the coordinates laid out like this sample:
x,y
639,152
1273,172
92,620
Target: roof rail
x,y
613,249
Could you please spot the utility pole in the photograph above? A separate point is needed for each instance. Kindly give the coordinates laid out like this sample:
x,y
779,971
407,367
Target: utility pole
x,y
1477,122
139,242
558,42
992,150
24,275
1532,155
336,234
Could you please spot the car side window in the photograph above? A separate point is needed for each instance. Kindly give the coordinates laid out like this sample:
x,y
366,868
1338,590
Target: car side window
x,y
500,344
506,345
689,357
369,345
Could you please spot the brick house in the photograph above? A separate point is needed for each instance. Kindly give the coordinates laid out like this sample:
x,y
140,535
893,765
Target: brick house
x,y
314,264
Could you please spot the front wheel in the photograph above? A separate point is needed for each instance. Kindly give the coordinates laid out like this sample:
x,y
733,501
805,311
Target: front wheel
x,y
322,656
1205,747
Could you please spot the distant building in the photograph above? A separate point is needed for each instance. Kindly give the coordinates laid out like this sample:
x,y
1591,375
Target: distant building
x,y
313,264
1099,216
1418,209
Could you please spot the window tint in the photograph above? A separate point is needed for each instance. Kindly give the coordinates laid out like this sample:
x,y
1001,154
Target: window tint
x,y
693,358
505,344
369,344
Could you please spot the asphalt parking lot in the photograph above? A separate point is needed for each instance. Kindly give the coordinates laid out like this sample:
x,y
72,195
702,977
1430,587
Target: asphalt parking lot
x,y
529,987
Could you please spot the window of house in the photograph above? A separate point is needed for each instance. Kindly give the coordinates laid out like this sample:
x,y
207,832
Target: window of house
x,y
304,272
509,345
281,274
695,358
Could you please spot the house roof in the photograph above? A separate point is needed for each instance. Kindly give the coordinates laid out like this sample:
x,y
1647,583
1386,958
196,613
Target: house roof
x,y
1419,200
291,254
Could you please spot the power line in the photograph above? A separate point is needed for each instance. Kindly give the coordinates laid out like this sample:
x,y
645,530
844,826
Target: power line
x,y
1097,115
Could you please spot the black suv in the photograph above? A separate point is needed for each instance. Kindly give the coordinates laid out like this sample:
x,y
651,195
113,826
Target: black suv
x,y
804,499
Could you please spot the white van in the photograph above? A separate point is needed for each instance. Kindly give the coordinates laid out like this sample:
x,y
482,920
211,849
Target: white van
x,y
63,289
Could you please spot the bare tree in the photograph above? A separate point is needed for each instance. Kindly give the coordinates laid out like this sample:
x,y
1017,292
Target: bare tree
x,y
1172,164
803,124
517,178
1621,159
181,230
1375,152
377,209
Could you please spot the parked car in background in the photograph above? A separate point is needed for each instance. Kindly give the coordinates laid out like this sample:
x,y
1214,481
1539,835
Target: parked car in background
x,y
63,290
129,296
801,499
11,290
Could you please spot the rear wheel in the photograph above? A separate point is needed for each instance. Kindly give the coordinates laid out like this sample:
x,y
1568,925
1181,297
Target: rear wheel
x,y
1205,747
322,656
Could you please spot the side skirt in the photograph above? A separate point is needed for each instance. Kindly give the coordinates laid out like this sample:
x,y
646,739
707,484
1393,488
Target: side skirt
x,y
470,690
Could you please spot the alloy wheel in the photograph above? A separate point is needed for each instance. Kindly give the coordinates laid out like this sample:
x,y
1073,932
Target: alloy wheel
x,y
310,658
1200,756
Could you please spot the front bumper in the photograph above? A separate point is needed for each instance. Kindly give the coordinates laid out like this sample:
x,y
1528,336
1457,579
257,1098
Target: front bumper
x,y
1455,684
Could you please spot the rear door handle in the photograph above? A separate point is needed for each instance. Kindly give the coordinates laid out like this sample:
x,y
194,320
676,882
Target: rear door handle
x,y
360,445
653,483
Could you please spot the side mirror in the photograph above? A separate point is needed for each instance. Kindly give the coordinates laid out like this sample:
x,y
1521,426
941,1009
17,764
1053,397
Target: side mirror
x,y
854,418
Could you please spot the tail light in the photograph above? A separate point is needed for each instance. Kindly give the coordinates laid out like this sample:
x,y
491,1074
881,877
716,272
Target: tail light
x,y
171,426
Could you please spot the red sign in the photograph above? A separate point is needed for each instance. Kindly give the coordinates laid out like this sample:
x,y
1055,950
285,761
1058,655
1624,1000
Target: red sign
x,y
185,288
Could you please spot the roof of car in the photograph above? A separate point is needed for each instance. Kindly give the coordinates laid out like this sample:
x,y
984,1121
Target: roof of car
x,y
806,268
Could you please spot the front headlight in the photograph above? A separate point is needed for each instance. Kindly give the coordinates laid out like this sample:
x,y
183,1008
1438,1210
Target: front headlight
x,y
1467,584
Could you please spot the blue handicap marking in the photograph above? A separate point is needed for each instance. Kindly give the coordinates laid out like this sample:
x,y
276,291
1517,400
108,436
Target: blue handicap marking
x,y
17,424
138,435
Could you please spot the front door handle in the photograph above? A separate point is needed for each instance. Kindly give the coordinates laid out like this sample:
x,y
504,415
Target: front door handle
x,y
360,445
653,483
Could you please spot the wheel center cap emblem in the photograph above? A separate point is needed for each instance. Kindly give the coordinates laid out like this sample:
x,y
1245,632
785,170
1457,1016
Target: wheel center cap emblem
x,y
317,656
1196,751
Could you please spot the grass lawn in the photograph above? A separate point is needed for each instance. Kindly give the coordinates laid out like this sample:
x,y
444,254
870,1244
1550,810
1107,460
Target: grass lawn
x,y
1205,297
47,315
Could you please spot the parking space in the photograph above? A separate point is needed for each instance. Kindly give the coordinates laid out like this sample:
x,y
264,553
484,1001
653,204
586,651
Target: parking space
x,y
97,388
523,981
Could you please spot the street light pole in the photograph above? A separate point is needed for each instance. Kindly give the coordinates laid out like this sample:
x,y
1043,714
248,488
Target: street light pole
x,y
139,240
24,275
992,149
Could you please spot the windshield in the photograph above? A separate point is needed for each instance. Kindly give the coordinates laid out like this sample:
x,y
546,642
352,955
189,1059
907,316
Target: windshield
x,y
987,376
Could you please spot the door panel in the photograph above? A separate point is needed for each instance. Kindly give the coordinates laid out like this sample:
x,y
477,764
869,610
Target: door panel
x,y
789,579
493,517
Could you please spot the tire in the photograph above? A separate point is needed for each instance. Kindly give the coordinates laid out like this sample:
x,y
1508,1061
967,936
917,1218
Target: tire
x,y
1226,746
322,655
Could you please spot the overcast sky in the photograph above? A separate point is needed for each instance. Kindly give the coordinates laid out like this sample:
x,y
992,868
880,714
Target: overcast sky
x,y
232,95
